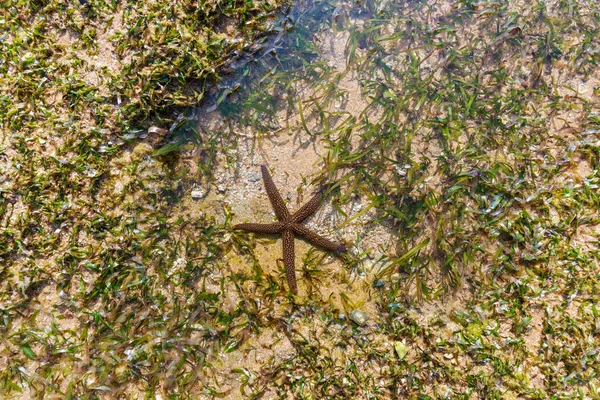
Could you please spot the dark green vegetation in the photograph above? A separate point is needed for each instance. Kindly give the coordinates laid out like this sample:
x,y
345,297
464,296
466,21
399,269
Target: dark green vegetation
x,y
477,142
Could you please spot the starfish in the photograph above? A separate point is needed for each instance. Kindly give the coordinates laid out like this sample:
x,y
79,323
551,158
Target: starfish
x,y
289,225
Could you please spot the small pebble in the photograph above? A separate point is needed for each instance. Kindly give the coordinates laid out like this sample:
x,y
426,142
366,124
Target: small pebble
x,y
92,172
254,177
368,264
342,316
378,284
359,317
221,188
346,332
197,193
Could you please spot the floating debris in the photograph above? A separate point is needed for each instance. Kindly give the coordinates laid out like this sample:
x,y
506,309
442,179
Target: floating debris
x,y
157,130
401,349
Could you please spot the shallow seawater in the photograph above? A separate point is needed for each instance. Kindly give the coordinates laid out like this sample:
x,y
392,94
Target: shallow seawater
x,y
462,142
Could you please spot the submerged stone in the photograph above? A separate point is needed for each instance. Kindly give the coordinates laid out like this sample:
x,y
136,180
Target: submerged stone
x,y
378,283
254,177
359,317
197,193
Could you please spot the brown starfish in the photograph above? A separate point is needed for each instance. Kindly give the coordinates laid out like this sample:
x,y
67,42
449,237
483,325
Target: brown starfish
x,y
289,224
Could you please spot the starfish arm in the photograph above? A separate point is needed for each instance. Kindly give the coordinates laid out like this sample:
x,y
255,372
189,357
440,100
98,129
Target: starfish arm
x,y
308,208
275,227
317,240
276,200
288,259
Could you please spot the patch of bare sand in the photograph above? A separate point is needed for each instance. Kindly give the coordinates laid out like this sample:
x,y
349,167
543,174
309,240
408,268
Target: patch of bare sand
x,y
104,59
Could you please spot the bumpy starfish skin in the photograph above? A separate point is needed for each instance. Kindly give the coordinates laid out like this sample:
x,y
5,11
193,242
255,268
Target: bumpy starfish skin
x,y
289,224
